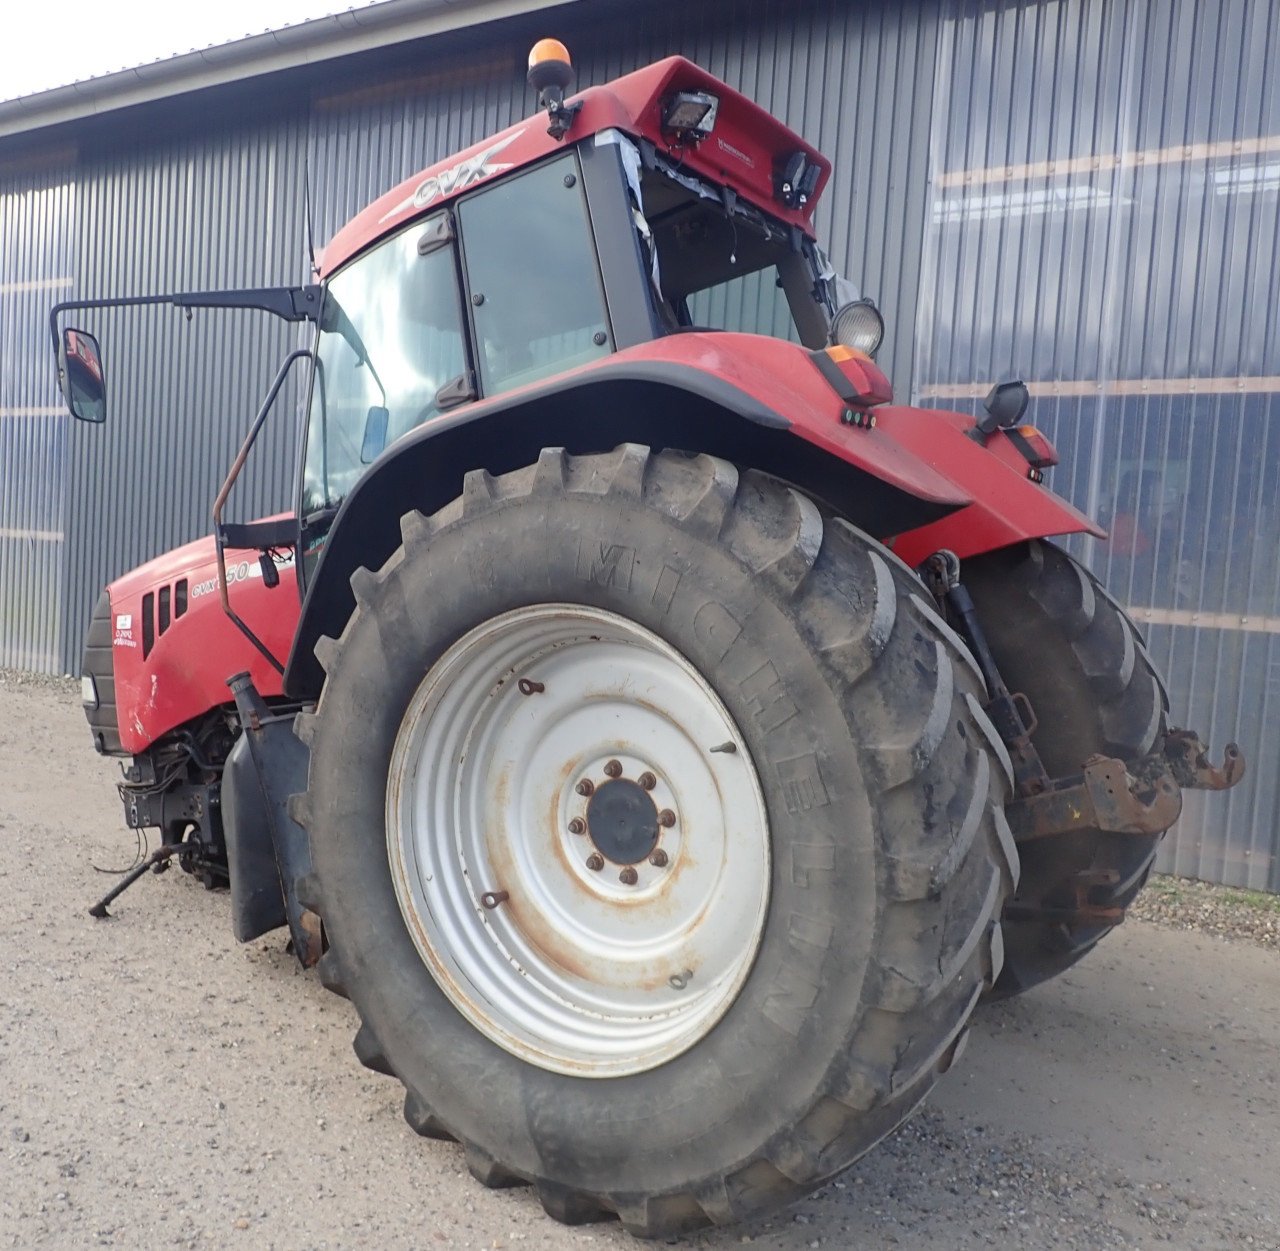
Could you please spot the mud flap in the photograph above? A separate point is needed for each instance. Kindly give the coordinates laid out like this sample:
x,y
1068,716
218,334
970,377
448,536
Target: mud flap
x,y
267,851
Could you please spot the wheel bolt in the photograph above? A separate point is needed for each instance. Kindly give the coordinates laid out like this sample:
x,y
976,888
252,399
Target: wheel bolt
x,y
577,826
613,769
595,862
648,781
585,787
658,859
628,876
666,818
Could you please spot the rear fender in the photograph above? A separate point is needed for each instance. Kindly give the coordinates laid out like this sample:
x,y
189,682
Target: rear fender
x,y
1006,504
745,398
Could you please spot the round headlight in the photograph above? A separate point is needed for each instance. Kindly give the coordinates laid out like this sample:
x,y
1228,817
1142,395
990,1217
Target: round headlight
x,y
859,326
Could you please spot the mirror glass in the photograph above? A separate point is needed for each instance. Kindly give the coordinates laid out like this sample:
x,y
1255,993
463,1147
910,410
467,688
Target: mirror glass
x,y
375,434
83,383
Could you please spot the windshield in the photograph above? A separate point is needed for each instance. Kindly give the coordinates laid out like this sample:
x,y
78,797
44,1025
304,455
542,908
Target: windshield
x,y
391,344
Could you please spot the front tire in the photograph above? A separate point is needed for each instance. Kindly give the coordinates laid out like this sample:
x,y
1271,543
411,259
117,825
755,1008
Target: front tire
x,y
844,865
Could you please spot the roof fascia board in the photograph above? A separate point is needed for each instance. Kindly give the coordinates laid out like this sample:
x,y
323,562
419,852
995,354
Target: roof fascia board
x,y
307,43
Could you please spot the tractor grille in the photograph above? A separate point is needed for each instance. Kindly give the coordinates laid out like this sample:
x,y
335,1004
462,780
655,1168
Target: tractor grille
x,y
100,666
160,610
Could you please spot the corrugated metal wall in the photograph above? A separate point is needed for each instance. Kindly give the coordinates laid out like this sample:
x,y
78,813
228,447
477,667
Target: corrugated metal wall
x,y
1105,222
185,213
37,201
1083,192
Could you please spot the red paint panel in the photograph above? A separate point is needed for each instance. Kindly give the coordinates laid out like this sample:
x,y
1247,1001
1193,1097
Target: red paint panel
x,y
186,672
1007,506
781,376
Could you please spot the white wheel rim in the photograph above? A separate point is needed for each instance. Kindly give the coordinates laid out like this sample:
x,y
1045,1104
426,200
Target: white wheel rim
x,y
577,970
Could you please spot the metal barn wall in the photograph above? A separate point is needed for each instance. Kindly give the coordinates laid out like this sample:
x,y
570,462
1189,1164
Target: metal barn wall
x,y
1104,221
37,200
182,213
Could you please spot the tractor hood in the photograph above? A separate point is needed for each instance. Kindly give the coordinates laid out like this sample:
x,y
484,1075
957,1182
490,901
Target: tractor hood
x,y
172,646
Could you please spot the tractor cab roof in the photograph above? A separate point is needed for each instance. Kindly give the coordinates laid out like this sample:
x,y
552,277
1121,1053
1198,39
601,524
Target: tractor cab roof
x,y
746,151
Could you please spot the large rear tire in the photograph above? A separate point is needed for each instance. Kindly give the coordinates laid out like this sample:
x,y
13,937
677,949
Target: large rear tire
x,y
740,1020
1061,640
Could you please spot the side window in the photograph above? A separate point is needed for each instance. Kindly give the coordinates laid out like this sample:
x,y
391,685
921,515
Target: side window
x,y
391,337
537,302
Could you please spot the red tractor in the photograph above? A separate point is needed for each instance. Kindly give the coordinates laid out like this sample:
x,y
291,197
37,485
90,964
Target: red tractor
x,y
639,717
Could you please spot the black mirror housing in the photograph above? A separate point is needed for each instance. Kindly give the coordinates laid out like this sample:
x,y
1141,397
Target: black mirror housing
x,y
81,376
1007,401
1005,404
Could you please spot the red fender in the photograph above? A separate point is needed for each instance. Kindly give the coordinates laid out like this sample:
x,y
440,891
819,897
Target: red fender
x,y
925,451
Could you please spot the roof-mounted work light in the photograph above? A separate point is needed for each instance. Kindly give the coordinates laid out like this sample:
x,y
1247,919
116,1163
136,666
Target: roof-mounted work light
x,y
796,180
690,114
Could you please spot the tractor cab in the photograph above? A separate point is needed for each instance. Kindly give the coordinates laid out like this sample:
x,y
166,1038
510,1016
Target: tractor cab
x,y
661,204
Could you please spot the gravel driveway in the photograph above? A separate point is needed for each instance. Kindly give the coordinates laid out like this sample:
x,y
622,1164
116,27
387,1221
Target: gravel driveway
x,y
162,1086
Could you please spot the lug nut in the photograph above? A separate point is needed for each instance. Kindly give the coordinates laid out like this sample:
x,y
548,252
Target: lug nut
x,y
613,769
577,826
595,862
648,781
666,818
658,859
628,876
585,787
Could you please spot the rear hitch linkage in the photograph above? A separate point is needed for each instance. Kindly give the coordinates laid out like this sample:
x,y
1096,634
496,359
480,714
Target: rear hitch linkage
x,y
1012,715
1142,796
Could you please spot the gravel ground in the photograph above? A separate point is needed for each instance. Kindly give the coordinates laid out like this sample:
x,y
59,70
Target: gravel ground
x,y
1184,904
164,1086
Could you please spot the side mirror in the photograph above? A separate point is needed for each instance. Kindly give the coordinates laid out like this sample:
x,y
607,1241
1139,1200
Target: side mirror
x,y
1005,404
375,434
80,376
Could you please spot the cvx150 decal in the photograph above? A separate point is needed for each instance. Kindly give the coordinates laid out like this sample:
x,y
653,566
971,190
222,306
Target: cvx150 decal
x,y
466,173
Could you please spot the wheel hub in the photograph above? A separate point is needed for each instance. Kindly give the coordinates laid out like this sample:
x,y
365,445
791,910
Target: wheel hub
x,y
622,820
581,864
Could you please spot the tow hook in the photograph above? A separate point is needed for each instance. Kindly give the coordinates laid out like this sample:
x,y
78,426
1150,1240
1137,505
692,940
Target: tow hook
x,y
1189,763
1141,796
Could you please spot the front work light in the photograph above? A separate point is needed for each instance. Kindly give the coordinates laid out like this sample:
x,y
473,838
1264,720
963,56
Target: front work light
x,y
691,114
858,326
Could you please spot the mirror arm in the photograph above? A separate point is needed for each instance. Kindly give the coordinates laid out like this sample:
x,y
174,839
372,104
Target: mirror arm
x,y
289,303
